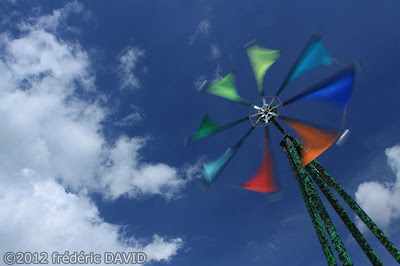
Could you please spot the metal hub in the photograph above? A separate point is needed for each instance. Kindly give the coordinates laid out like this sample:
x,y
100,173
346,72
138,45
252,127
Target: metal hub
x,y
261,116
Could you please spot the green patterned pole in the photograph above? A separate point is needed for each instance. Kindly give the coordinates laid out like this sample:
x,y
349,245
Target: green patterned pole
x,y
362,242
313,194
373,258
330,228
360,212
290,151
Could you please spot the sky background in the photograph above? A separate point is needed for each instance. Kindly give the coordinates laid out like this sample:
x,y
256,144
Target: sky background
x,y
96,98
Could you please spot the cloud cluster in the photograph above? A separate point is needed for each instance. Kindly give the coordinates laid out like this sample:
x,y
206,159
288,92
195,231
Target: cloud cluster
x,y
123,174
55,21
381,201
132,118
128,60
215,51
51,137
201,31
37,214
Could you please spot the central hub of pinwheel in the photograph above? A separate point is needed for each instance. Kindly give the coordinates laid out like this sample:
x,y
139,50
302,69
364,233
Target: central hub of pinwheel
x,y
261,116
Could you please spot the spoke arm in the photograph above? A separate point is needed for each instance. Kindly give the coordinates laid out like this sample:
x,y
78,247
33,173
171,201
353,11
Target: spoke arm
x,y
279,127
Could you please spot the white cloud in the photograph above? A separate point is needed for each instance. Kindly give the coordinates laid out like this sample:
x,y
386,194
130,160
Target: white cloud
x,y
159,249
132,118
204,26
55,21
125,174
37,214
217,74
215,78
201,31
128,60
215,52
50,128
381,201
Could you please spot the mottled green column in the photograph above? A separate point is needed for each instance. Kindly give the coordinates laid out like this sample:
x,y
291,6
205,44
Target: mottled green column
x,y
330,228
360,212
313,194
291,154
310,168
362,242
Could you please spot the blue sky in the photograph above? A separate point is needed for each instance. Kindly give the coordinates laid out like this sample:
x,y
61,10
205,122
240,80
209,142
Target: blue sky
x,y
98,96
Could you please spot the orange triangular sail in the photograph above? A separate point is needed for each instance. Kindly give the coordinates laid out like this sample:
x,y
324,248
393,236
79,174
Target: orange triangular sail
x,y
264,180
315,140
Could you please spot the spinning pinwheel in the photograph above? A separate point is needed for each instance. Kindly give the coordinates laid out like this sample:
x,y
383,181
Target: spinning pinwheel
x,y
301,155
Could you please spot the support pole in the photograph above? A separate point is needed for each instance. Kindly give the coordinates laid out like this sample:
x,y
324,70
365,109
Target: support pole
x,y
289,149
313,195
362,242
360,212
330,228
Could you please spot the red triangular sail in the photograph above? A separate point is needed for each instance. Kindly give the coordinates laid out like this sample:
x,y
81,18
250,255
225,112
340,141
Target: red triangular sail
x,y
264,180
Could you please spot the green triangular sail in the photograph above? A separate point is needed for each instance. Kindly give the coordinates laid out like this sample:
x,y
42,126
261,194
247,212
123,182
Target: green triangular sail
x,y
261,60
225,88
209,127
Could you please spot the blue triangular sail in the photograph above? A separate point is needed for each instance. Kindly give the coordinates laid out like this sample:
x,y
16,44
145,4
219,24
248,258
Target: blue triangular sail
x,y
313,56
336,90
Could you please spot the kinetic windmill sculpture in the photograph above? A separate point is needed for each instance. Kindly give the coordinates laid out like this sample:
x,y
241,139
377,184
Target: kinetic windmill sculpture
x,y
301,155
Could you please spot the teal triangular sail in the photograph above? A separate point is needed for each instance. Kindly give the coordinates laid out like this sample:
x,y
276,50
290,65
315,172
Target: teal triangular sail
x,y
225,88
261,60
336,90
213,168
313,56
209,127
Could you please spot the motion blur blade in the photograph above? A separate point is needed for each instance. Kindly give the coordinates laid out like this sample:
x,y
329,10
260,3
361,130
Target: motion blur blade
x,y
225,88
314,55
209,127
336,90
261,60
212,169
264,180
315,140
